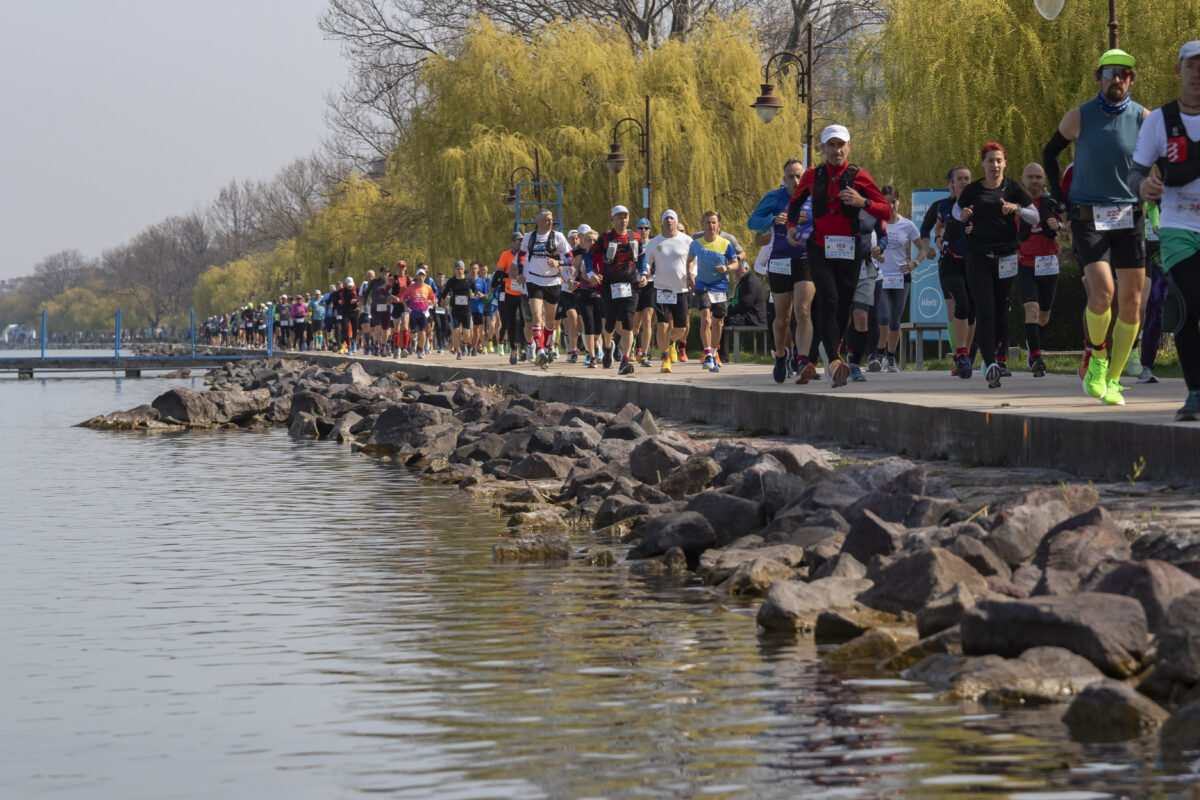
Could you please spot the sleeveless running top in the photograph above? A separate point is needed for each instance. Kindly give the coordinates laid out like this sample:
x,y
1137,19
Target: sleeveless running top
x,y
1104,154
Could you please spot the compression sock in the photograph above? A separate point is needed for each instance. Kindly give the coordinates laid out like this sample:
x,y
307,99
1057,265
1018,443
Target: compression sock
x,y
538,340
1123,335
1033,338
1097,326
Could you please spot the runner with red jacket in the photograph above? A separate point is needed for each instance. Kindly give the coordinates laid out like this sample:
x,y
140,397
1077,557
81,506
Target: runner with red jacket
x,y
839,190
619,259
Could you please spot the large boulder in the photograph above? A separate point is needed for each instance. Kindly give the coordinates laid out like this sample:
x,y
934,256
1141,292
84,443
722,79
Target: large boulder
x,y
1072,550
1175,546
539,546
1179,640
793,606
843,489
718,565
187,406
654,457
239,407
872,536
1181,731
309,403
1017,532
754,578
1111,711
694,475
539,466
353,375
1037,675
972,550
731,517
401,426
775,490
945,611
1107,629
913,580
1154,584
688,530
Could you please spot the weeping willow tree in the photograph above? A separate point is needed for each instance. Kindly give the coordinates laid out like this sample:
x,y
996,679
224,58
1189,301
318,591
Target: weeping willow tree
x,y
945,76
500,97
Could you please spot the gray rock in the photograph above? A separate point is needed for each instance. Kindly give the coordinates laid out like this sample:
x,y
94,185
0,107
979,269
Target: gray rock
x,y
1180,733
575,434
538,466
718,565
304,426
945,611
816,554
1154,584
629,431
354,375
871,536
187,406
540,546
754,578
653,458
628,413
1068,554
309,403
1017,532
1179,640
973,551
914,579
341,432
688,530
1108,630
401,426
845,487
1110,711
948,641
842,565
1042,674
645,421
695,474
731,517
615,450
484,448
437,399
617,507
775,490
793,606
794,457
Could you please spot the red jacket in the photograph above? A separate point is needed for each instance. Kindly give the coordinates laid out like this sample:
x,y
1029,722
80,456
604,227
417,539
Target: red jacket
x,y
834,222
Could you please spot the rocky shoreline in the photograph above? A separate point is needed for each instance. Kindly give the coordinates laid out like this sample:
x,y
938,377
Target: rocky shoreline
x,y
1037,596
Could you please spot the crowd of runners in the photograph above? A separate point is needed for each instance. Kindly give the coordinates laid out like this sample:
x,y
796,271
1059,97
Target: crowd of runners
x,y
838,259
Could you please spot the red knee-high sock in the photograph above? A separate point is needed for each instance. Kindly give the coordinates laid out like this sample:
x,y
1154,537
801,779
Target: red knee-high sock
x,y
407,339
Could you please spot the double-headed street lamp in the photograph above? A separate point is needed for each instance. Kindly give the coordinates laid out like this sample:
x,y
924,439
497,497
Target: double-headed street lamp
x,y
1052,8
510,199
767,105
616,159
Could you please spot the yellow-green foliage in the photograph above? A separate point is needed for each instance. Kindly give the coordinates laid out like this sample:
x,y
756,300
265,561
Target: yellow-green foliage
x,y
501,96
84,308
945,76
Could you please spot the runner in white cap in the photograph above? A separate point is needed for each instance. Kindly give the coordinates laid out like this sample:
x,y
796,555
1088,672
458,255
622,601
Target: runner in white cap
x,y
544,263
619,259
667,254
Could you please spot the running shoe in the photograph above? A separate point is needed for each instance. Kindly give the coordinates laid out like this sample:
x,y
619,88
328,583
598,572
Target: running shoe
x,y
552,355
1113,393
717,357
524,354
573,358
993,375
707,362
1146,376
962,366
590,362
682,354
491,348
671,353
1005,372
1038,367
1133,368
891,364
856,374
1095,382
459,357
779,373
627,367
645,362
1191,408
608,358
716,365
806,373
839,373
666,365
543,360
874,363
1084,362
404,352
512,356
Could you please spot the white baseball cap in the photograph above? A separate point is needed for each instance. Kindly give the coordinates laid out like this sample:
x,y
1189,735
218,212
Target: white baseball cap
x,y
835,132
1189,50
573,232
619,210
670,214
583,228
349,281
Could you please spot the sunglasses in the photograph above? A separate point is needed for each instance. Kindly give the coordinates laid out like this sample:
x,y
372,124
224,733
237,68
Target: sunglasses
x,y
643,227
1116,73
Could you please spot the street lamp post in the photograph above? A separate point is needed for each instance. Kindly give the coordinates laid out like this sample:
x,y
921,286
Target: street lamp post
x,y
1052,8
767,105
616,159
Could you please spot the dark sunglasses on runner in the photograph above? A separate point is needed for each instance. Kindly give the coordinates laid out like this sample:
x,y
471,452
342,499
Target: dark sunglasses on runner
x,y
1115,73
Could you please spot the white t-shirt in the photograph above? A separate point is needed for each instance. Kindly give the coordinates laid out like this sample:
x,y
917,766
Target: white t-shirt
x,y
1180,204
667,256
539,272
900,235
764,256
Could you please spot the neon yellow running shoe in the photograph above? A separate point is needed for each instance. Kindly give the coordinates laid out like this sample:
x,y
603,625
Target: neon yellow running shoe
x,y
671,353
1112,393
1095,382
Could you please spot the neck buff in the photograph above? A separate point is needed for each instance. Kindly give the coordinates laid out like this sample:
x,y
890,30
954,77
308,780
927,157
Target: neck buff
x,y
1109,108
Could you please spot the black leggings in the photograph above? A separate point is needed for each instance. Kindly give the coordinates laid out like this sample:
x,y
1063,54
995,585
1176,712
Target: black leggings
x,y
835,281
1003,306
512,321
587,304
952,272
983,279
1186,277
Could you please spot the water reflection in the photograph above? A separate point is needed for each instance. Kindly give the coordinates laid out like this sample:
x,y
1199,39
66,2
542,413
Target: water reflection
x,y
236,614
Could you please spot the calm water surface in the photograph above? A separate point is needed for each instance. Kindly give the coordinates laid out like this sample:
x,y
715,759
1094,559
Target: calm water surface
x,y
236,614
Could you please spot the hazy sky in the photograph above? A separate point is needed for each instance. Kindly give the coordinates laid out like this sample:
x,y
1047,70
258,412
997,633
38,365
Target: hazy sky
x,y
118,113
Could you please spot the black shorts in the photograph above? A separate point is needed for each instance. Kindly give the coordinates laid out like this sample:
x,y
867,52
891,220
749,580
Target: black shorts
x,y
547,294
646,297
1036,288
1123,249
461,317
676,313
620,310
719,310
780,282
417,321
566,300
477,317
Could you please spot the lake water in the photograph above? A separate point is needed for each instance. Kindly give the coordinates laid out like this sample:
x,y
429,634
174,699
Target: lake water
x,y
234,614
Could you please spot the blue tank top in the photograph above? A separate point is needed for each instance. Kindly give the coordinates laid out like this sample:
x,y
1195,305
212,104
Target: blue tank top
x,y
1104,154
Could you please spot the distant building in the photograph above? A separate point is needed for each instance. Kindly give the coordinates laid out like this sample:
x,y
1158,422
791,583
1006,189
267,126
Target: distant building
x,y
8,285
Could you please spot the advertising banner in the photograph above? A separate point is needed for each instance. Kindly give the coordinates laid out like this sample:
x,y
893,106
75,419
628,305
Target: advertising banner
x,y
926,303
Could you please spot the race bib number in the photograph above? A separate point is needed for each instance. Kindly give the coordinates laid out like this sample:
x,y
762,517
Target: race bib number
x,y
1187,205
622,290
439,310
381,306
771,299
717,297
1008,266
461,299
780,266
895,281
1113,218
666,297
339,316
1151,232
1045,265
285,322
839,247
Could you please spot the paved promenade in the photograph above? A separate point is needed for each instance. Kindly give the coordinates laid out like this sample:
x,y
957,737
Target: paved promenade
x,y
1037,422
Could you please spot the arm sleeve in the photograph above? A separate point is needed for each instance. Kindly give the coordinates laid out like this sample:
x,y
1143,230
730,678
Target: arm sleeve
x,y
929,221
763,216
956,212
1050,152
1029,214
1137,175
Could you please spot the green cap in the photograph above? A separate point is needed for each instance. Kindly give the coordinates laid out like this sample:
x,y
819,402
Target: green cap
x,y
1118,58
